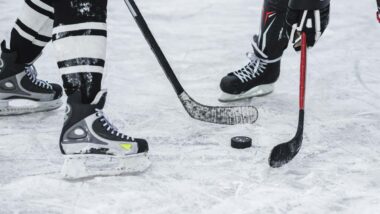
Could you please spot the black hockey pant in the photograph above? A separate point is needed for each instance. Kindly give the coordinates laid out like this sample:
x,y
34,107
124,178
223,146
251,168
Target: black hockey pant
x,y
272,39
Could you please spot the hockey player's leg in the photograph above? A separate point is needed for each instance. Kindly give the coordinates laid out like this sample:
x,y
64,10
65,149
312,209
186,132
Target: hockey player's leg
x,y
90,143
257,78
18,76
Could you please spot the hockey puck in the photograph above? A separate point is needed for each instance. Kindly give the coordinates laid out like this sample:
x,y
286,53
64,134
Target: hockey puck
x,y
241,142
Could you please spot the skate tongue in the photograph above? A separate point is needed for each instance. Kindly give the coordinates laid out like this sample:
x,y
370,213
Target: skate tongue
x,y
100,99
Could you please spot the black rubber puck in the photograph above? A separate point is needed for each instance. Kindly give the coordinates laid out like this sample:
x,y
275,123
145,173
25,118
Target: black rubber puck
x,y
241,142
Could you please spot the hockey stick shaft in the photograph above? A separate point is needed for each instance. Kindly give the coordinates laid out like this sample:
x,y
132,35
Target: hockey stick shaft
x,y
303,68
302,92
154,46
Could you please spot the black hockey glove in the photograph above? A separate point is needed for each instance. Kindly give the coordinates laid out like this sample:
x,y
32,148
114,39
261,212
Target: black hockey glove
x,y
312,22
378,10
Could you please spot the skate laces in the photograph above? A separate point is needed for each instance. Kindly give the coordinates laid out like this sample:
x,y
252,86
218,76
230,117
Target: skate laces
x,y
31,72
109,126
255,67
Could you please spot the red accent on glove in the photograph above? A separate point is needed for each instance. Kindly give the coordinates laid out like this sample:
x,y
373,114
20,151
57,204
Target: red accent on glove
x,y
378,16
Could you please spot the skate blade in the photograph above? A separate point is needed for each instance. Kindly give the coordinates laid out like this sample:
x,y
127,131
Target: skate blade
x,y
18,107
88,166
260,90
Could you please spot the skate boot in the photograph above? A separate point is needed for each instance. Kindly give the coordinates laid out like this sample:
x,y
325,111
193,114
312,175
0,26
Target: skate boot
x,y
92,146
20,90
257,78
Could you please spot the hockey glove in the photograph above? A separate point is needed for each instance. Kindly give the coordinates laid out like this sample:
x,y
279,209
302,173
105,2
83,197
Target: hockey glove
x,y
378,10
312,22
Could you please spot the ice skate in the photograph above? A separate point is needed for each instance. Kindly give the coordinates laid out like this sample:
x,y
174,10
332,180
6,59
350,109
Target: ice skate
x,y
92,146
257,78
20,90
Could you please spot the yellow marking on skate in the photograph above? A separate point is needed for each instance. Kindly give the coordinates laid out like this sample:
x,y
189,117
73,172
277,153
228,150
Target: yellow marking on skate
x,y
126,146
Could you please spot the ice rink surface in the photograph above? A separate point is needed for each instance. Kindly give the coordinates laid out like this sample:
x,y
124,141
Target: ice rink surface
x,y
195,171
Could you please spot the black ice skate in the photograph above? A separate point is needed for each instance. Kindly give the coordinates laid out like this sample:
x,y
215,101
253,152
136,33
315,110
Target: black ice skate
x,y
257,78
93,146
20,90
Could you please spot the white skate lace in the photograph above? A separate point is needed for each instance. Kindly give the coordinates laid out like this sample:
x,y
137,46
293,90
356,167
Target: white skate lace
x,y
32,74
254,68
110,127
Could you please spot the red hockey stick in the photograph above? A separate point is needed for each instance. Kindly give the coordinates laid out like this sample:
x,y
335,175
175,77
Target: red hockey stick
x,y
284,153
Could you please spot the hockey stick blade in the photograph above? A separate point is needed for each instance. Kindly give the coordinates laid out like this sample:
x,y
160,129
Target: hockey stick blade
x,y
284,153
227,115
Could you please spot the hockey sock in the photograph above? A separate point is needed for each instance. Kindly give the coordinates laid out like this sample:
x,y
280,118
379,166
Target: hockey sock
x,y
80,35
80,38
32,30
87,84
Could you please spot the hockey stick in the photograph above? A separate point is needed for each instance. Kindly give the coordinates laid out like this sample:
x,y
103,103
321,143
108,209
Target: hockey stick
x,y
213,114
284,153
